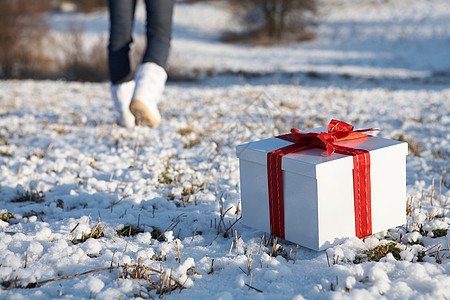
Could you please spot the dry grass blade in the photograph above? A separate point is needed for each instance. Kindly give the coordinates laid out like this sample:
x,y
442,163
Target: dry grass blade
x,y
381,251
250,261
231,247
96,233
295,256
171,226
129,231
5,217
178,258
409,206
193,236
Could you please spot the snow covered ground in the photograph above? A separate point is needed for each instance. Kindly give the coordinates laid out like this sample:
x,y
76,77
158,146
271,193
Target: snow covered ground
x,y
67,171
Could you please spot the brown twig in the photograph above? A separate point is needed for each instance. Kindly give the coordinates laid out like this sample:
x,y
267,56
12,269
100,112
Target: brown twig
x,y
178,252
194,235
295,256
328,259
231,247
214,239
93,230
26,259
74,228
258,290
171,226
250,262
438,259
20,171
72,276
212,267
432,247
101,231
260,245
227,229
112,259
270,257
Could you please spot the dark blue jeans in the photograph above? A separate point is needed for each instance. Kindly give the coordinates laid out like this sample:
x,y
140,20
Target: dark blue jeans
x,y
159,33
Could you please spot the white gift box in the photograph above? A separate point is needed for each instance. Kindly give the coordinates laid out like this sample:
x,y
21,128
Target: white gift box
x,y
318,190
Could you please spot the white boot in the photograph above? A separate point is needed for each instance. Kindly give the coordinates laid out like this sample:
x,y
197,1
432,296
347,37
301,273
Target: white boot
x,y
150,82
121,95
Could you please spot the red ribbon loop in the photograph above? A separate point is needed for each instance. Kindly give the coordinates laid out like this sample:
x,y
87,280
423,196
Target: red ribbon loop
x,y
337,131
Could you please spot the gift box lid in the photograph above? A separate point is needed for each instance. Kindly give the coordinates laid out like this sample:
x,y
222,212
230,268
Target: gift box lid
x,y
309,161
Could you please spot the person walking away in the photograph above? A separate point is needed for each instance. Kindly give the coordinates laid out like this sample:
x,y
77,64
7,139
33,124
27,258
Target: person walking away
x,y
136,97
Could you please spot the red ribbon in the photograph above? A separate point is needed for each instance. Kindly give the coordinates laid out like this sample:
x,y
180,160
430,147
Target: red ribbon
x,y
337,131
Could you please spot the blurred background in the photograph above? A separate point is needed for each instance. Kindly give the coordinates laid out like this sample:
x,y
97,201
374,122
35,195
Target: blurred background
x,y
62,39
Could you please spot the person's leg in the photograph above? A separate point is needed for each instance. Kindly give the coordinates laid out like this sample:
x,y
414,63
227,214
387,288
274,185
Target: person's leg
x,y
151,75
121,13
159,31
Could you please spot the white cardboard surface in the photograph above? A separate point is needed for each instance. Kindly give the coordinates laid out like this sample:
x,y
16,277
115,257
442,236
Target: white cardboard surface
x,y
318,190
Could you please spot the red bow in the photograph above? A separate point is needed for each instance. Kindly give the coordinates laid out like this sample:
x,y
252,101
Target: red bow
x,y
337,131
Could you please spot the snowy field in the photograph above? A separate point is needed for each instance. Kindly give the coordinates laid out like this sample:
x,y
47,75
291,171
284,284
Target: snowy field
x,y
72,182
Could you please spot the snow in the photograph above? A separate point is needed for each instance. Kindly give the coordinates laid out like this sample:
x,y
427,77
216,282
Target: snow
x,y
95,285
374,64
